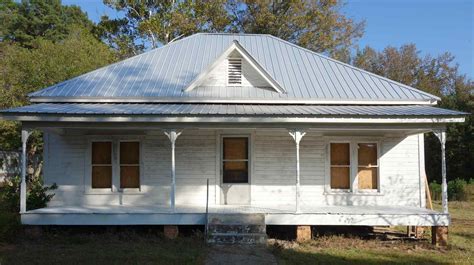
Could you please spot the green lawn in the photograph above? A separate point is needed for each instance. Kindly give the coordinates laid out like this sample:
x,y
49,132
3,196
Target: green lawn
x,y
343,250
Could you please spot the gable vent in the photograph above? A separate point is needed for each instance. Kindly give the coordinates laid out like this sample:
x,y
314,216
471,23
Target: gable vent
x,y
234,71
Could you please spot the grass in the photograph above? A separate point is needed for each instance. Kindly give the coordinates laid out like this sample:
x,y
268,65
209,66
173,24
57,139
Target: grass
x,y
147,246
112,247
347,250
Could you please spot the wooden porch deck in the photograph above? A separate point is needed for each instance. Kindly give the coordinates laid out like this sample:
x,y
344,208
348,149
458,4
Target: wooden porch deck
x,y
274,215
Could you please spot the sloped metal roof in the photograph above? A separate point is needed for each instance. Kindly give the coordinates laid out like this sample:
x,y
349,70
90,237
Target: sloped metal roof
x,y
164,72
232,110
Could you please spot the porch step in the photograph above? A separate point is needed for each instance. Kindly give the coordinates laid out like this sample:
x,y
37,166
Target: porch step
x,y
236,229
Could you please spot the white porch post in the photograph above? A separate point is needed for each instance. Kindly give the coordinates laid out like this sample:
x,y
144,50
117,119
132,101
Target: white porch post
x,y
173,135
297,136
25,134
441,134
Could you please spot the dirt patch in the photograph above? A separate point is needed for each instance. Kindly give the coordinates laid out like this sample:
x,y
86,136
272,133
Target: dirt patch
x,y
240,254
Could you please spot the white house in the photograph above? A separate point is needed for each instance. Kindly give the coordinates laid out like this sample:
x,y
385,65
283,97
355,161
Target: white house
x,y
274,128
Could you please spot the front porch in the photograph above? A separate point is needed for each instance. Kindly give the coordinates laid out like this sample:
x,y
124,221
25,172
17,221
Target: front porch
x,y
274,215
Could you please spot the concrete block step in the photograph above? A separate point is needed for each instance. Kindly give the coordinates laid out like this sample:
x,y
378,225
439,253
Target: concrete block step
x,y
237,238
236,219
241,228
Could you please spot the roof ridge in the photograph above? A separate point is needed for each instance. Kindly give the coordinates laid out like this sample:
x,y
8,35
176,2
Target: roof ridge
x,y
356,68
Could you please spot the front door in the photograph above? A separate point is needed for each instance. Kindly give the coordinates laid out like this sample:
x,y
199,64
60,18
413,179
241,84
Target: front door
x,y
235,170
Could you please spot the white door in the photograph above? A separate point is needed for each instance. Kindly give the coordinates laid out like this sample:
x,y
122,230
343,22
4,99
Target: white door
x,y
235,170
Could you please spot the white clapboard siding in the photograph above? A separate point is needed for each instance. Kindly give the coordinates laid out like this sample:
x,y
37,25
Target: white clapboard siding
x,y
272,177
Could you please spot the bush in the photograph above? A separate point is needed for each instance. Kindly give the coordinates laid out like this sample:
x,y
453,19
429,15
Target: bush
x,y
435,189
38,195
457,190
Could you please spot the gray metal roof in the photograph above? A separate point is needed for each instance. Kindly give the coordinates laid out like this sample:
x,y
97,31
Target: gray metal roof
x,y
231,109
164,72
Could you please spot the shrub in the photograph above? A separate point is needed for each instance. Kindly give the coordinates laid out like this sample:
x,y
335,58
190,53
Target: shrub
x,y
435,189
38,195
457,190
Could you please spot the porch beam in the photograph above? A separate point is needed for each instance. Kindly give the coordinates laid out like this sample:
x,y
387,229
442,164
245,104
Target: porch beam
x,y
25,134
441,134
297,135
173,134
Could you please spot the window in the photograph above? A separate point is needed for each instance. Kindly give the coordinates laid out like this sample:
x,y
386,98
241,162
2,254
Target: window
x,y
101,165
340,165
235,161
129,165
354,162
234,71
367,166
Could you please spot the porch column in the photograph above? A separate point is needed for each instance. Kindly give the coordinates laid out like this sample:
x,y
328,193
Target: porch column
x,y
297,136
25,134
441,134
173,135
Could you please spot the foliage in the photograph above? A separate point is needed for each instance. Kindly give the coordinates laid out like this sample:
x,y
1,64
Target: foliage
x,y
458,190
78,53
435,190
159,22
23,22
317,25
38,195
439,76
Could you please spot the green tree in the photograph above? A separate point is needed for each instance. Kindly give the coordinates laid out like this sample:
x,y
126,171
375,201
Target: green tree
x,y
159,22
317,25
27,20
439,76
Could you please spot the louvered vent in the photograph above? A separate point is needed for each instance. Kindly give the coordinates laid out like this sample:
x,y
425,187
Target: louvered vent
x,y
234,71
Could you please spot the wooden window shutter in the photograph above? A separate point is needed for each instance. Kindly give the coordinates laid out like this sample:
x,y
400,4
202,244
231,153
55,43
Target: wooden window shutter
x,y
101,159
129,165
340,165
367,172
235,160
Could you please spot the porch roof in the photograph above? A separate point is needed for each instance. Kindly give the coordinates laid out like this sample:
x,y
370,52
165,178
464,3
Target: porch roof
x,y
245,110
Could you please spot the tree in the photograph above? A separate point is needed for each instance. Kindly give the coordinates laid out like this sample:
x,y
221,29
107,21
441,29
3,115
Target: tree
x,y
317,25
439,76
159,22
23,22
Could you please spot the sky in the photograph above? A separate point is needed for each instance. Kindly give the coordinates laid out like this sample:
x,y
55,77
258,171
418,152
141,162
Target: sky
x,y
435,26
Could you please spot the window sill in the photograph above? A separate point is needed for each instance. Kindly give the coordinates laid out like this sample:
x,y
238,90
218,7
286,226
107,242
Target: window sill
x,y
358,193
112,192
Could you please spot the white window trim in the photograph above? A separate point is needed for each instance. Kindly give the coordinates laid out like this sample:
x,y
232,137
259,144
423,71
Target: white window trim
x,y
353,144
219,149
115,189
248,160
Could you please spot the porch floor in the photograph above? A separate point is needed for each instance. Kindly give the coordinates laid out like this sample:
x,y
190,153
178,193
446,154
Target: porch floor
x,y
196,215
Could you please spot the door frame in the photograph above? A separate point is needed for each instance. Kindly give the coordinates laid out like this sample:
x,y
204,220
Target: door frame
x,y
250,134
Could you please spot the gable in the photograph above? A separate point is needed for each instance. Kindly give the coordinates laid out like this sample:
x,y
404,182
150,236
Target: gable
x,y
220,75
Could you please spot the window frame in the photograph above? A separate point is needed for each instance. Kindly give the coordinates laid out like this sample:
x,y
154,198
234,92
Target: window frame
x,y
115,189
354,165
140,167
248,160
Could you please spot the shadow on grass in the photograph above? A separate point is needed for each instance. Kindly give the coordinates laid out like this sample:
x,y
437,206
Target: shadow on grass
x,y
96,245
